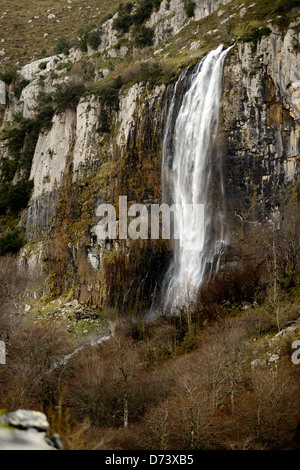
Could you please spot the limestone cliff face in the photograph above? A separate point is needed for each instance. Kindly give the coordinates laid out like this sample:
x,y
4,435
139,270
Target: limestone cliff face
x,y
167,21
261,125
76,167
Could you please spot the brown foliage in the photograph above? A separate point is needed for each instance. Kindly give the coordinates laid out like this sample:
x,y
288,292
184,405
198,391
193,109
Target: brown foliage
x,y
109,386
16,286
31,376
231,288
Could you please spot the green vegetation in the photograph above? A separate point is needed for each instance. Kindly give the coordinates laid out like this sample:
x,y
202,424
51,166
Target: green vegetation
x,y
189,7
9,73
10,76
14,196
142,36
105,122
45,111
129,16
144,10
255,35
94,39
108,91
150,73
124,20
15,187
43,65
67,96
64,66
11,243
70,19
90,35
19,85
62,46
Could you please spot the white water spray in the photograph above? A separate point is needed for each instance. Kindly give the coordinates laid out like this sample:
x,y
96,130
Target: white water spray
x,y
192,173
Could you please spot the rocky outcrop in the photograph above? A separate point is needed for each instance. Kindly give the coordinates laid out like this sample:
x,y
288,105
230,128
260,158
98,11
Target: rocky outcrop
x,y
171,16
261,124
26,430
166,21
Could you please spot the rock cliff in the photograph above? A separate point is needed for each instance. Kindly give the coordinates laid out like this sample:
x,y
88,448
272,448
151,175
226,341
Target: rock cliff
x,y
110,143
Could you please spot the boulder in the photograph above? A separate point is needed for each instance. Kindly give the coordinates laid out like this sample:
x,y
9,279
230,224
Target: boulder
x,y
27,430
25,419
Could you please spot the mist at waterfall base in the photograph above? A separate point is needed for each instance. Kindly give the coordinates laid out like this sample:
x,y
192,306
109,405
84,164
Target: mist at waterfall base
x,y
192,174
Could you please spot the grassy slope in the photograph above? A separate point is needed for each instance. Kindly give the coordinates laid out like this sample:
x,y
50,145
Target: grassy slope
x,y
25,41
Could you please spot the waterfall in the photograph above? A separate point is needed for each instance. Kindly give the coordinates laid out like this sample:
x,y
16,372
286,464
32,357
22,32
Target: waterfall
x,y
192,174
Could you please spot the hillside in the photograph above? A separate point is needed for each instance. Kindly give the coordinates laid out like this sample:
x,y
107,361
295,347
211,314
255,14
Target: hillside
x,y
30,33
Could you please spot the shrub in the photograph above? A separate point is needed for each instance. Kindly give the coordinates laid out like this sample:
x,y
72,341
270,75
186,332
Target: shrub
x,y
18,117
151,74
62,46
285,6
109,92
105,126
88,69
189,8
15,140
45,115
255,35
143,36
9,74
83,44
144,10
20,84
67,96
94,40
109,95
106,18
234,287
21,143
43,65
142,13
64,66
44,111
19,195
16,137
11,243
124,20
123,23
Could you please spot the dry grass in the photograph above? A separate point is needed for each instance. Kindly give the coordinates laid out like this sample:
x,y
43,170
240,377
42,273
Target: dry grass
x,y
24,34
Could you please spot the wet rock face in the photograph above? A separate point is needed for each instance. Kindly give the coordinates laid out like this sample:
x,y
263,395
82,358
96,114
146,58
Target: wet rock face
x,y
26,430
260,125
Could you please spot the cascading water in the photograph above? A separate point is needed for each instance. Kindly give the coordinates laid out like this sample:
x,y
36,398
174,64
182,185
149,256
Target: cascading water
x,y
192,174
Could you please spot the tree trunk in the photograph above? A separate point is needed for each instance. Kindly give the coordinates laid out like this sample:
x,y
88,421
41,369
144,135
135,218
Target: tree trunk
x,y
125,410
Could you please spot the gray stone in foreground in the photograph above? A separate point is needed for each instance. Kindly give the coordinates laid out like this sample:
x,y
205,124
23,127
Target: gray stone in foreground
x,y
25,419
16,439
